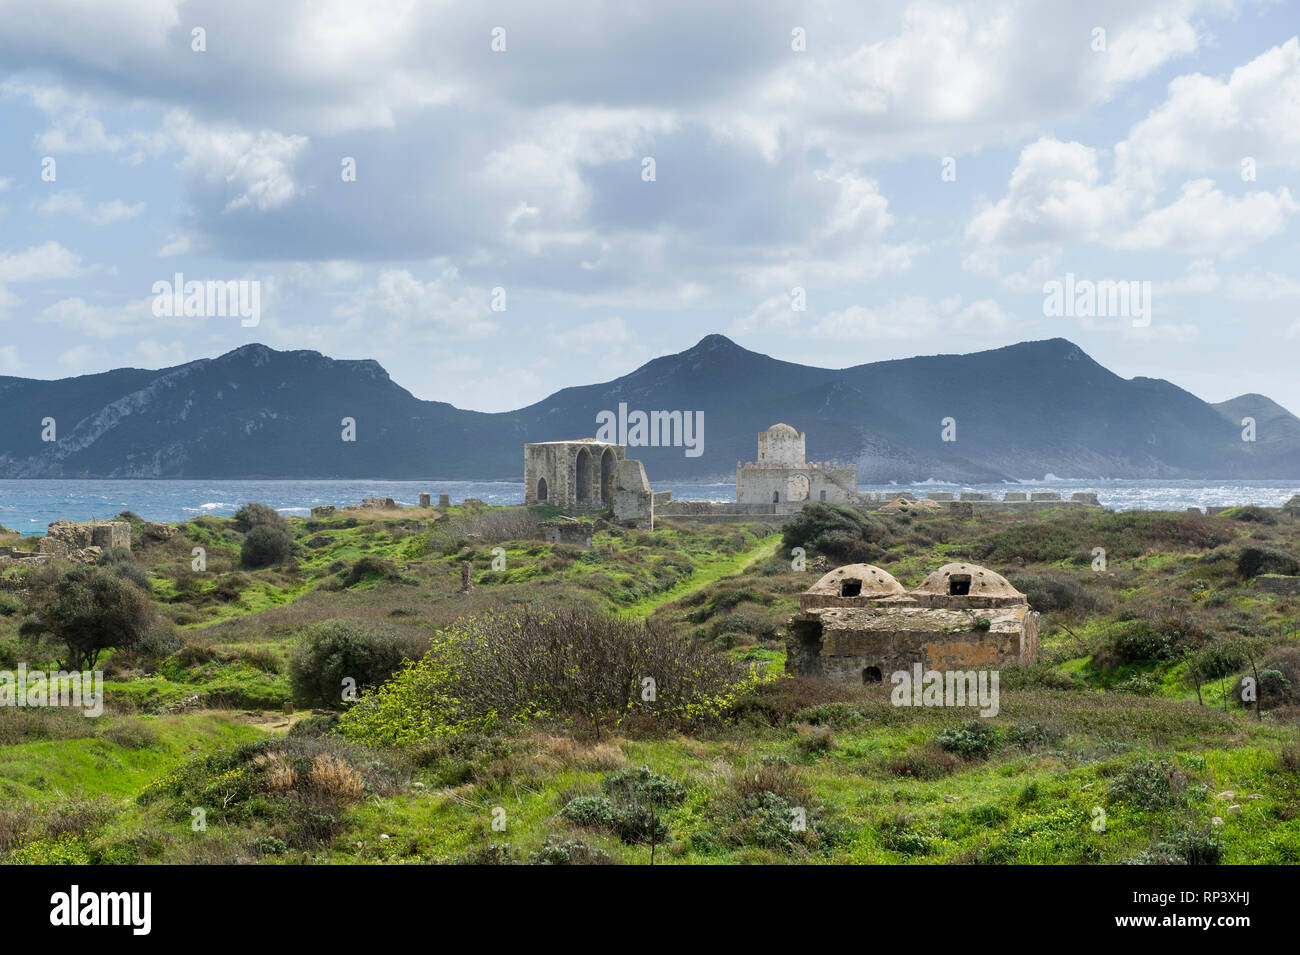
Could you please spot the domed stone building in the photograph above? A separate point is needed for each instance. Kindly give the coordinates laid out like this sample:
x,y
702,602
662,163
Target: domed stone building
x,y
858,624
782,474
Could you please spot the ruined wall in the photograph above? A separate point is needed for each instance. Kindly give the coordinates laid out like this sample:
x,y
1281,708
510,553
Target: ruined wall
x,y
756,484
577,474
571,532
863,645
81,541
781,447
634,502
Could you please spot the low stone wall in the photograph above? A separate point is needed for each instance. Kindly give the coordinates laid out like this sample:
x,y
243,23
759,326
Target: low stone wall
x,y
1279,584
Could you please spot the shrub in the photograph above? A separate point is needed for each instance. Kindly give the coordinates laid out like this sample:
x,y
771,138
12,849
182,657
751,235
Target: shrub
x,y
644,785
332,651
786,699
253,514
1149,785
1251,513
1035,736
1184,847
1279,680
972,740
369,568
926,764
299,787
528,663
131,734
839,532
589,811
568,852
1216,660
1057,591
771,808
1134,641
317,724
633,808
901,835
266,545
1253,561
834,715
812,740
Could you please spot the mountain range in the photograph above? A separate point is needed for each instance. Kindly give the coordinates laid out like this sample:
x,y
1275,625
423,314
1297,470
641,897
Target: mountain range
x,y
1023,411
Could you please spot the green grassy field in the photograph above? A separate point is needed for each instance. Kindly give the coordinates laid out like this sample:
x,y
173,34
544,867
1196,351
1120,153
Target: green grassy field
x,y
1127,742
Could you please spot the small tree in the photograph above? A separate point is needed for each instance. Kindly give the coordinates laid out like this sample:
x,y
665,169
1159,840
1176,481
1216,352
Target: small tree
x,y
92,609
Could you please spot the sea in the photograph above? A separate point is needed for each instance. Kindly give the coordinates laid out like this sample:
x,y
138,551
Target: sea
x,y
29,506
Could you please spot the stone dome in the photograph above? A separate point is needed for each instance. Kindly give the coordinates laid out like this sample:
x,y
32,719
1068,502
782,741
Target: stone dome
x,y
872,582
967,580
783,429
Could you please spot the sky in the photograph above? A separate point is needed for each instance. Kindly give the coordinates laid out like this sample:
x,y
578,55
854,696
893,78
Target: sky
x,y
496,200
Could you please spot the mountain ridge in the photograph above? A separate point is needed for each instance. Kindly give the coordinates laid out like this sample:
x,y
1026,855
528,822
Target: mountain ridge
x,y
1020,411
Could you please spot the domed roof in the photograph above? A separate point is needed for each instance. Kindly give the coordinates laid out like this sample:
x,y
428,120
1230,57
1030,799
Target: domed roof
x,y
982,582
875,582
783,429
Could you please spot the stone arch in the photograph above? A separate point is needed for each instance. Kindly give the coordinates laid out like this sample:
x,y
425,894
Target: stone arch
x,y
608,474
541,489
582,468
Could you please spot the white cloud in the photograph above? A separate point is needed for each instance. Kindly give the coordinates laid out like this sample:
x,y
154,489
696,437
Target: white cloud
x,y
60,203
1261,287
256,166
907,318
115,211
102,322
1207,124
400,306
1204,220
1056,195
50,260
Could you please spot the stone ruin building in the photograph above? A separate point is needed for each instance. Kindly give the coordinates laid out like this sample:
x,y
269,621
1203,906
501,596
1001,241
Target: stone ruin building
x,y
858,624
781,473
81,541
592,475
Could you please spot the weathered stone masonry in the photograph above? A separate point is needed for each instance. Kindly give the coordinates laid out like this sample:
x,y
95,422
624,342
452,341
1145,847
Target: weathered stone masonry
x,y
858,624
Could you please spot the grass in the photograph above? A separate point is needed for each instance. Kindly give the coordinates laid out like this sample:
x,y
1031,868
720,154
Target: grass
x,y
873,778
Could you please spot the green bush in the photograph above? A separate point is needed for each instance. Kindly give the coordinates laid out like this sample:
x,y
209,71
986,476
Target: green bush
x,y
842,533
1134,641
1149,785
329,652
253,514
633,808
317,724
1253,561
567,852
1048,591
265,546
972,740
570,664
